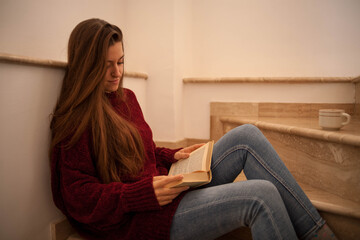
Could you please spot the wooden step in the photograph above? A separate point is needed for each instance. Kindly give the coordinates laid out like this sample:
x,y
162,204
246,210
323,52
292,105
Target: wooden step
x,y
325,160
342,215
325,165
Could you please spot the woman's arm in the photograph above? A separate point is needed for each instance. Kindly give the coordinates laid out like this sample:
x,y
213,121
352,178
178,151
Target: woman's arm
x,y
89,201
165,156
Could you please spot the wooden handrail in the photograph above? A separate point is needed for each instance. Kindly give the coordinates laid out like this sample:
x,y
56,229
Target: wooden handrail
x,y
272,80
16,59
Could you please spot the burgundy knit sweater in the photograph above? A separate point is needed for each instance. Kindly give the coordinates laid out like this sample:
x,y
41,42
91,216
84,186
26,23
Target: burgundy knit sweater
x,y
127,210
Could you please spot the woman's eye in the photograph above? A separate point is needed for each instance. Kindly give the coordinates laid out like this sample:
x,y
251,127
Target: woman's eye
x,y
119,63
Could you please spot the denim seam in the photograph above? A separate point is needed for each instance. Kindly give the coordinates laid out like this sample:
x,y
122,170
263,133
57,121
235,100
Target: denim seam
x,y
291,191
265,166
232,199
315,228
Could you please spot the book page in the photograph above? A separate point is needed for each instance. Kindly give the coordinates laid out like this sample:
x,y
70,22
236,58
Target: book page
x,y
191,164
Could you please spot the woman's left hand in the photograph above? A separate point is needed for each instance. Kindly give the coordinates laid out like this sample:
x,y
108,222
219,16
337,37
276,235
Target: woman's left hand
x,y
185,152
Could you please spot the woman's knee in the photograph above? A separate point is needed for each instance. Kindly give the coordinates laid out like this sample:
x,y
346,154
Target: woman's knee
x,y
260,200
248,132
248,127
265,190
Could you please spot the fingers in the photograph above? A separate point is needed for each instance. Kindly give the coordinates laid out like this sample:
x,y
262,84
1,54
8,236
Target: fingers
x,y
167,197
185,152
181,155
194,147
164,180
164,194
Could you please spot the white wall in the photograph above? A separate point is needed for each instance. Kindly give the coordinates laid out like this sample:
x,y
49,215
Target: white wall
x,y
183,42
41,28
157,42
262,38
27,97
149,47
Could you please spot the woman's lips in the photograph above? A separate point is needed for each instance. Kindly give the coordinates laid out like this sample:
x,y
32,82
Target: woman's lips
x,y
114,81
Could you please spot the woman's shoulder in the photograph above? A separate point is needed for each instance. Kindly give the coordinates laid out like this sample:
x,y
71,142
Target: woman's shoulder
x,y
128,93
117,98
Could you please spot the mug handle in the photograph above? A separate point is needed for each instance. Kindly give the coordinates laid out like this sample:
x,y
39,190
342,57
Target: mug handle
x,y
348,118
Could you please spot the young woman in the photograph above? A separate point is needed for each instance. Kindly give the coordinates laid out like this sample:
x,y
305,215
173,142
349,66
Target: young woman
x,y
109,178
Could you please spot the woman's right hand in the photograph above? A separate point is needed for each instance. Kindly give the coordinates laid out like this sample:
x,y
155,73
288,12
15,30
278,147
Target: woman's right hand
x,y
165,195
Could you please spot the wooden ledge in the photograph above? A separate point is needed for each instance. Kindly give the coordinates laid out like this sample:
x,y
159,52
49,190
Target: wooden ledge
x,y
330,136
136,75
15,59
272,80
357,79
331,203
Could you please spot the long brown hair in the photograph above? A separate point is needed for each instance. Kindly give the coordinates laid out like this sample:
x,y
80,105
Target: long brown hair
x,y
83,106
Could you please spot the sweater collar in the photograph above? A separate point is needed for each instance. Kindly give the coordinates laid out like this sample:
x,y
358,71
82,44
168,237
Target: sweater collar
x,y
111,95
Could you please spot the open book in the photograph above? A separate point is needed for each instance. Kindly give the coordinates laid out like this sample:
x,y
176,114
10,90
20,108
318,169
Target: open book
x,y
195,169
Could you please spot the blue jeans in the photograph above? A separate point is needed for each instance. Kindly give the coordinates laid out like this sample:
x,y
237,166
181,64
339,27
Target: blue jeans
x,y
271,203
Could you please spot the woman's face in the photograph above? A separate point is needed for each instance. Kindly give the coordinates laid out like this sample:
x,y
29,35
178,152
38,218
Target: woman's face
x,y
114,67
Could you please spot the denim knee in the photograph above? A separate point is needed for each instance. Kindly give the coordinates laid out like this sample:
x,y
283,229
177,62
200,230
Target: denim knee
x,y
267,197
265,190
269,216
248,134
247,129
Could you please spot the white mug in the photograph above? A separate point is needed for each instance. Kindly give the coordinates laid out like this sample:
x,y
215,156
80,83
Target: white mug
x,y
333,119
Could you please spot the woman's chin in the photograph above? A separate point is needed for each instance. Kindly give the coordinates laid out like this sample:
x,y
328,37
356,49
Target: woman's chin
x,y
112,86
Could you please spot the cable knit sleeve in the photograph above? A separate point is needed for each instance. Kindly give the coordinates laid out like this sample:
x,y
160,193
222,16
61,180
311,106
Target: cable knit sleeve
x,y
89,201
165,156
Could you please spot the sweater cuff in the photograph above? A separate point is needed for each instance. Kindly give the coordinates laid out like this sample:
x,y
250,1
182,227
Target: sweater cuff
x,y
166,154
140,196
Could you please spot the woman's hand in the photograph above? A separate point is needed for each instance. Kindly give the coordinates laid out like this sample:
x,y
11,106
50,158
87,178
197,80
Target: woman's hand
x,y
185,152
165,195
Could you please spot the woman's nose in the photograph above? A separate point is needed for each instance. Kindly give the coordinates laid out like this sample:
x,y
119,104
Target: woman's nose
x,y
117,71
